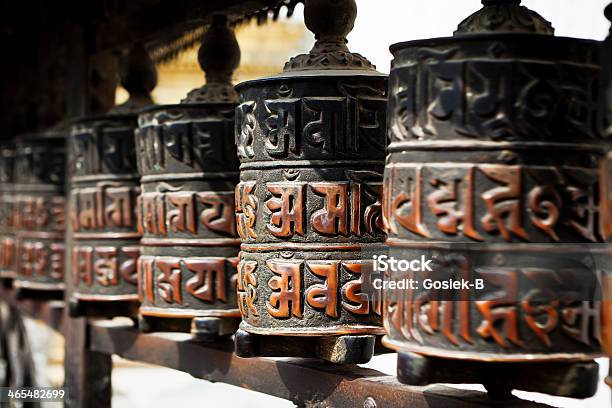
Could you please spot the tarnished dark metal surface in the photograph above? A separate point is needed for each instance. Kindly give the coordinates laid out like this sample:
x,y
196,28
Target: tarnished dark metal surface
x,y
38,211
189,169
493,174
104,188
8,247
312,145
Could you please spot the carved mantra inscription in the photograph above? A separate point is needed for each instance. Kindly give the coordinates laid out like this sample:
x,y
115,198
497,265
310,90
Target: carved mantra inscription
x,y
188,144
492,201
39,213
187,282
187,212
300,127
107,207
104,265
40,222
7,253
293,209
440,95
284,289
531,308
41,259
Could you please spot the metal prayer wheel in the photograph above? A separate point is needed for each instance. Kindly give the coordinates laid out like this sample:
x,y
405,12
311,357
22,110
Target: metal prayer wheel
x,y
187,160
312,144
7,233
492,175
104,188
38,213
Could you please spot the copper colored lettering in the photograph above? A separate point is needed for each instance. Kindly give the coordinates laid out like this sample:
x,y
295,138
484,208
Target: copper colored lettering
x,y
500,307
503,203
220,216
413,220
332,219
247,288
286,206
81,265
182,219
105,267
324,295
127,269
169,280
285,301
208,280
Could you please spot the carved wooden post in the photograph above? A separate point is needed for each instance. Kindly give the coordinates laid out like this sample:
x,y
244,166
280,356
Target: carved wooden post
x,y
312,145
187,160
7,232
493,174
104,189
38,212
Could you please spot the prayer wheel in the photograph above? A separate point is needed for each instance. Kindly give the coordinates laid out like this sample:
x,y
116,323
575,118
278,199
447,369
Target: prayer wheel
x,y
493,176
104,188
7,233
187,160
312,145
38,213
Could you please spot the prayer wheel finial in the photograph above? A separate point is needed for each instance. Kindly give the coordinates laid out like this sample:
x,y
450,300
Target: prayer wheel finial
x,y
331,22
138,77
219,56
505,16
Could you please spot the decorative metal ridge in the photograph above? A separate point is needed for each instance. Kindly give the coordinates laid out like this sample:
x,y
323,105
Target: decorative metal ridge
x,y
331,23
505,16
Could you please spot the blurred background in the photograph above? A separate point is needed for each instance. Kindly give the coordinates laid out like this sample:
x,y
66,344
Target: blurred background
x,y
264,52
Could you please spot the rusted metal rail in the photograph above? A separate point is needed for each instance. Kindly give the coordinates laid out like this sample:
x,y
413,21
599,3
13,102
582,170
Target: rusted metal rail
x,y
306,383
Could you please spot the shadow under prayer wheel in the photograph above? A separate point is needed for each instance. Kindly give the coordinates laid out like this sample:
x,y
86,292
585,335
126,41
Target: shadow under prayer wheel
x,y
39,215
7,228
492,178
104,189
187,160
312,144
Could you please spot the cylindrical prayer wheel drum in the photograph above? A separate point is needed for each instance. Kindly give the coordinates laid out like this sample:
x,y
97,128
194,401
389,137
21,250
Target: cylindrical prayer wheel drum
x,y
493,175
105,238
104,189
187,160
38,212
7,228
312,144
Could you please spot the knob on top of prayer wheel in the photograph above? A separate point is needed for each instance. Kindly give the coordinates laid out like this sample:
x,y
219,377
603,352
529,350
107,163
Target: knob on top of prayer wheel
x,y
218,56
505,16
330,22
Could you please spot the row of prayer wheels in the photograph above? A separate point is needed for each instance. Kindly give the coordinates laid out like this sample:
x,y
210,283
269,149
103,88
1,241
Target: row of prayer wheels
x,y
265,210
